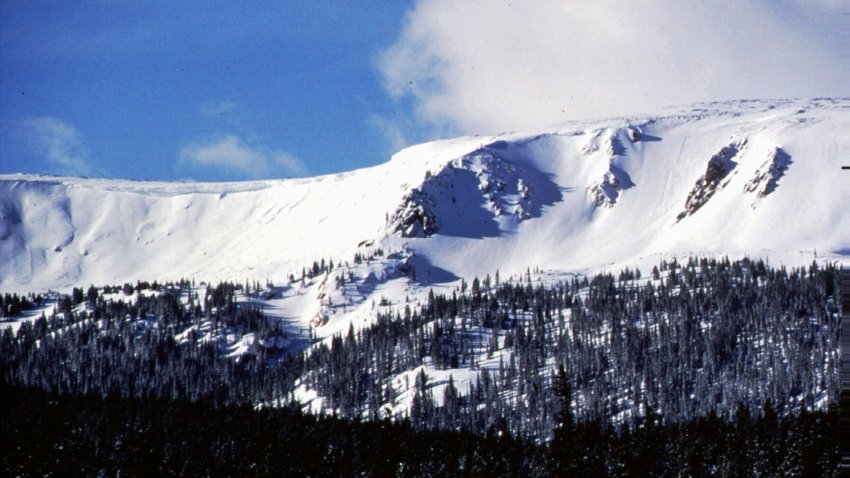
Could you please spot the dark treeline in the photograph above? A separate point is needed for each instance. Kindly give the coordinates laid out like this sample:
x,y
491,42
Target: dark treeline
x,y
44,434
701,339
13,304
90,435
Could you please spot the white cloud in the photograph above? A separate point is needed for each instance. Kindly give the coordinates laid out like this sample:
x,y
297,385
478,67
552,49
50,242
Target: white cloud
x,y
232,154
289,163
484,67
392,131
59,143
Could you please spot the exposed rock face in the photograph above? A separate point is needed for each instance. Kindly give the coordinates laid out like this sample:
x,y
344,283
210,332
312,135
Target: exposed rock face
x,y
768,174
719,167
415,216
473,196
606,191
635,134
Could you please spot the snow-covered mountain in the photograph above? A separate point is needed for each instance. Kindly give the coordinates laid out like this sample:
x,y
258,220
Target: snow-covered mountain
x,y
761,178
325,257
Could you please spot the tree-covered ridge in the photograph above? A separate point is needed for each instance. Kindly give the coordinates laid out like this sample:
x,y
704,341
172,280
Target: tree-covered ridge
x,y
702,339
164,344
706,338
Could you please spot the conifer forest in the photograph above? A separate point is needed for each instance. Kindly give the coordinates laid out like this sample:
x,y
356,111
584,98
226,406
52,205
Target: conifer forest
x,y
706,367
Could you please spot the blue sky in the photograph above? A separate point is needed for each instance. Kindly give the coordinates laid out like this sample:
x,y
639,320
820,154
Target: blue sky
x,y
147,90
186,90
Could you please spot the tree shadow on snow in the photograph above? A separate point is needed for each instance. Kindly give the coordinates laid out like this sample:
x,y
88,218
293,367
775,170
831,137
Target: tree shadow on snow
x,y
427,273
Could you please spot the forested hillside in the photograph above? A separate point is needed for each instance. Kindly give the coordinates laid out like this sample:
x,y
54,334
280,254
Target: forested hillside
x,y
682,342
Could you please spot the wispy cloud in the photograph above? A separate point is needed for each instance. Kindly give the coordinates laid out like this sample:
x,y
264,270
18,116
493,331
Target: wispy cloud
x,y
398,130
231,154
392,131
59,143
528,63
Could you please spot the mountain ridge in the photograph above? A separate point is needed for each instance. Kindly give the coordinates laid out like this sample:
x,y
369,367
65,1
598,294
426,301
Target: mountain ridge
x,y
577,196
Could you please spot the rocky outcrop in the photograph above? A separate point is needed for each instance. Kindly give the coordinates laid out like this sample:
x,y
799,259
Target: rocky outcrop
x,y
767,176
719,167
605,191
473,196
635,134
415,216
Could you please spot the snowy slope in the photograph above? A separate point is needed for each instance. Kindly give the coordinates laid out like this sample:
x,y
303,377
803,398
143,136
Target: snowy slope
x,y
752,177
